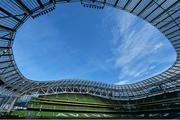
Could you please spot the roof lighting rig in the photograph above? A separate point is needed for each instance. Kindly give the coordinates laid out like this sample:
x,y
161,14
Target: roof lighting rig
x,y
93,4
46,11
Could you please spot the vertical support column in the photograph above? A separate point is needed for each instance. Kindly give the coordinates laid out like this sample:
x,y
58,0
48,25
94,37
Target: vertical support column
x,y
11,104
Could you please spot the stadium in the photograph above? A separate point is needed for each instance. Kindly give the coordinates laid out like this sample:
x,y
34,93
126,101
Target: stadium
x,y
155,97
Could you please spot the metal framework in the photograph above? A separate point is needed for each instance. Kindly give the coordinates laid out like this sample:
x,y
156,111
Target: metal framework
x,y
162,14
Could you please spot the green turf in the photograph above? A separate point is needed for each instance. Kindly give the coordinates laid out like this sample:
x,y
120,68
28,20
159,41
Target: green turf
x,y
41,114
92,106
76,97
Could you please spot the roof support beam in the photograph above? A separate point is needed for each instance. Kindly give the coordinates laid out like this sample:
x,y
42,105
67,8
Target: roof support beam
x,y
116,3
9,14
7,28
128,2
13,80
4,47
9,66
11,76
159,6
5,38
7,72
145,8
164,19
136,6
52,1
170,22
165,11
24,7
40,4
6,61
5,55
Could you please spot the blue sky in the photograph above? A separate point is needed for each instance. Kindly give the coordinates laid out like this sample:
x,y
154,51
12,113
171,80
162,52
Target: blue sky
x,y
108,45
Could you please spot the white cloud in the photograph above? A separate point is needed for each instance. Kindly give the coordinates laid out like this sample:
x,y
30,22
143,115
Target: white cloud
x,y
157,46
122,82
134,44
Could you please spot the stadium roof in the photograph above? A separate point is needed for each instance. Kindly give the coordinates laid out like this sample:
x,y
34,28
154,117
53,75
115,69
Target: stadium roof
x,y
163,14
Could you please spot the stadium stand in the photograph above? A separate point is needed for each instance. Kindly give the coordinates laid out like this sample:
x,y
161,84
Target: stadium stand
x,y
73,105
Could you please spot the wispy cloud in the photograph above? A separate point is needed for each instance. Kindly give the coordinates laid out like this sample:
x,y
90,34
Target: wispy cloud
x,y
136,46
55,47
